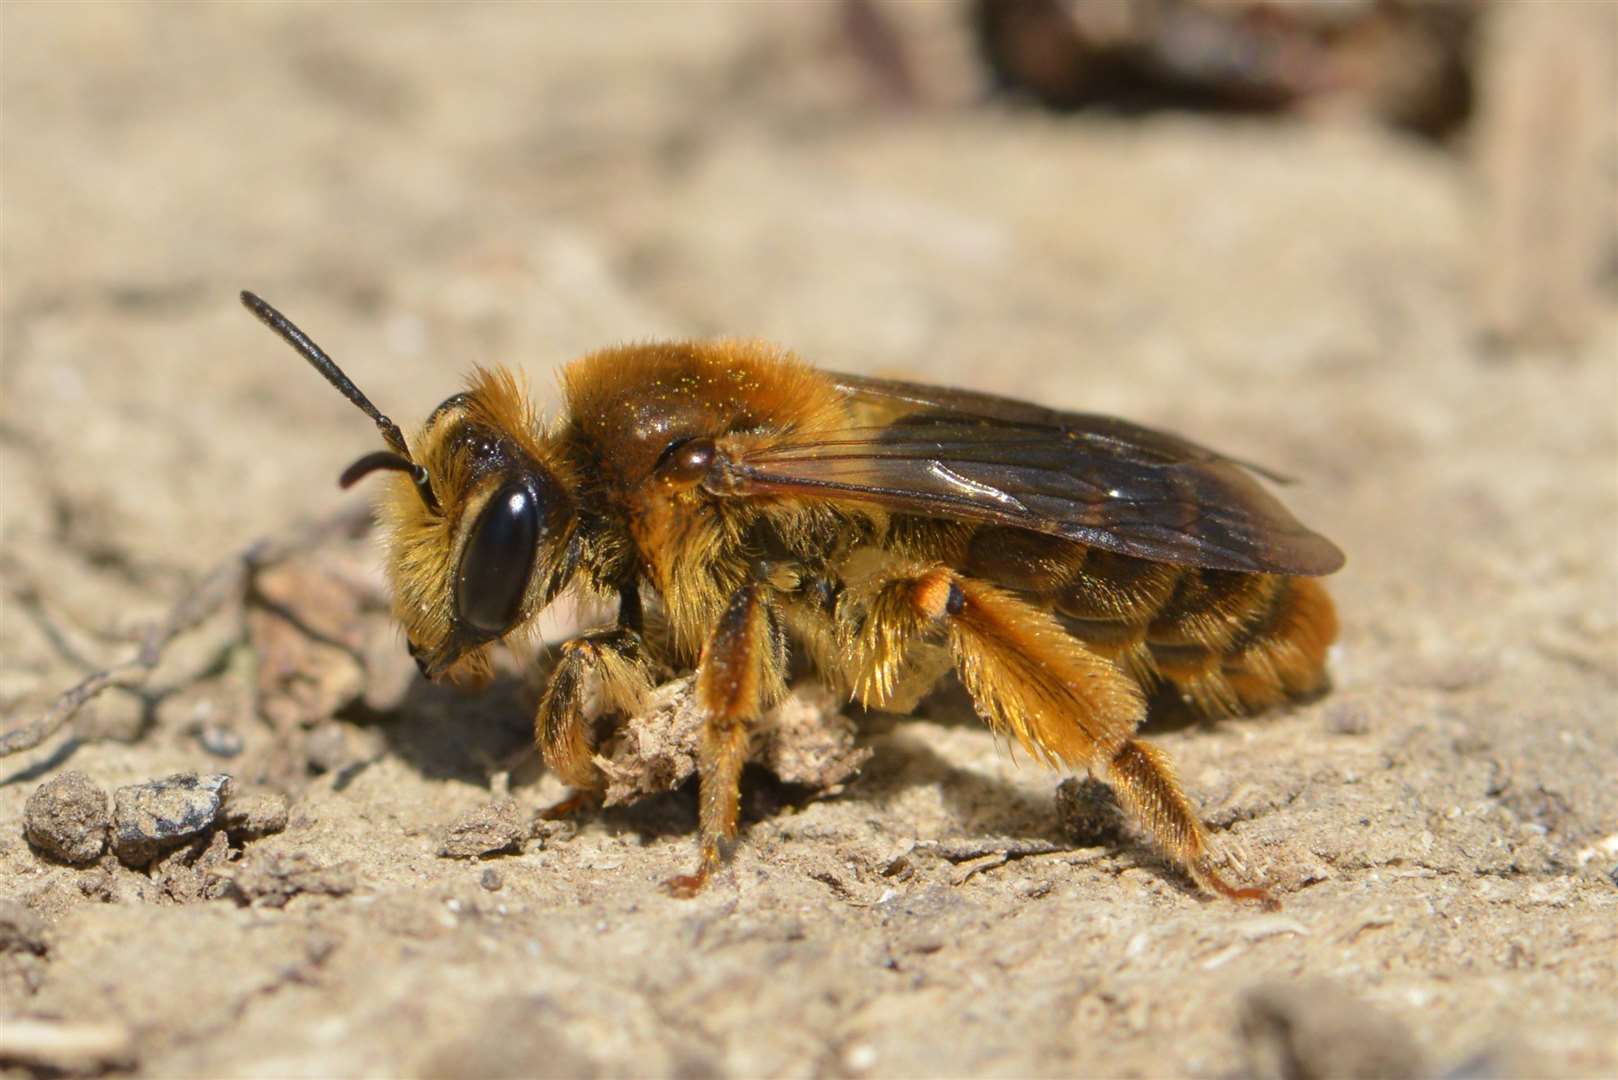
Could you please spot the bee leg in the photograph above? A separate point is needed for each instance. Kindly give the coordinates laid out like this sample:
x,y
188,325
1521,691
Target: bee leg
x,y
617,664
1144,781
576,801
741,673
1034,682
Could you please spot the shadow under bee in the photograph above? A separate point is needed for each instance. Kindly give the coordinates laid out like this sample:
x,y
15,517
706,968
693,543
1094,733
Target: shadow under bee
x,y
444,734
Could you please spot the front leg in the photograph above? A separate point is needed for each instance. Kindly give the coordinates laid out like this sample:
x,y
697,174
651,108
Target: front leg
x,y
618,665
741,673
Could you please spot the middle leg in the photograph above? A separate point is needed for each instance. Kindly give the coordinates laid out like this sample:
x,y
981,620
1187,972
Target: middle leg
x,y
741,673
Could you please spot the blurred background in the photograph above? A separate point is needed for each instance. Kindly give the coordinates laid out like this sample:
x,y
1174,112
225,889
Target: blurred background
x,y
1073,201
1081,203
1371,244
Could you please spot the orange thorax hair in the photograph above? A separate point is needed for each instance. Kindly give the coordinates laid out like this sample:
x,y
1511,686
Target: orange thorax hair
x,y
628,405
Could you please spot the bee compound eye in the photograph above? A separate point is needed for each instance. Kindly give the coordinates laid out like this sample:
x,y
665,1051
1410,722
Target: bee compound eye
x,y
497,560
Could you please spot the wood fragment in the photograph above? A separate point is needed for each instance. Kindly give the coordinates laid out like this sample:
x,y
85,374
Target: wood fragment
x,y
51,1044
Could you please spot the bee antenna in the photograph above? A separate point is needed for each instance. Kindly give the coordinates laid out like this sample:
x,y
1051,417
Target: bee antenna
x,y
398,458
324,364
388,460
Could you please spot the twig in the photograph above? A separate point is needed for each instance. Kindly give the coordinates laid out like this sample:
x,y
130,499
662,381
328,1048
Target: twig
x,y
967,849
972,857
225,584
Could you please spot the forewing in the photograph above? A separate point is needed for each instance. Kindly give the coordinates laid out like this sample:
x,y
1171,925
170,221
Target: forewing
x,y
878,401
1092,479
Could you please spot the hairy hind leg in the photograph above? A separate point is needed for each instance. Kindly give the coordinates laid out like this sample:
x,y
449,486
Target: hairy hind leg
x,y
1034,682
1144,779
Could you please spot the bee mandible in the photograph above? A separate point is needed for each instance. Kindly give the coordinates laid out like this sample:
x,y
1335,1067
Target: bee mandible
x,y
1063,564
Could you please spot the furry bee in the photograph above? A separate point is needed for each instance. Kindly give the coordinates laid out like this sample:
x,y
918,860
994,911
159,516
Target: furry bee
x,y
1063,564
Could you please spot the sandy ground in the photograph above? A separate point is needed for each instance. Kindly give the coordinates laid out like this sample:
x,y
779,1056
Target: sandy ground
x,y
428,189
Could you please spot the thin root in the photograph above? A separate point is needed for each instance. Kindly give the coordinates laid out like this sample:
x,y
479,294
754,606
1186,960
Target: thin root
x,y
225,585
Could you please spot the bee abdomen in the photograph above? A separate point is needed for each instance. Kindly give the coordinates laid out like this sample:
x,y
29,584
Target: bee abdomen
x,y
1284,655
1256,644
1109,603
1085,583
1229,641
1105,599
1212,608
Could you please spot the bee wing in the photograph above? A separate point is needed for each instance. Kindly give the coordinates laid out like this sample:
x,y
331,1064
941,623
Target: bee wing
x,y
1096,480
885,400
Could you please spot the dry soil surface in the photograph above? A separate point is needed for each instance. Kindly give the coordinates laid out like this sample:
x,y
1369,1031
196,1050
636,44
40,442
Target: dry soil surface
x,y
429,188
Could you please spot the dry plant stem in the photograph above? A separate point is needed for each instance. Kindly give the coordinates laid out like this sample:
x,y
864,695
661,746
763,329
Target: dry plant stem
x,y
65,1046
224,585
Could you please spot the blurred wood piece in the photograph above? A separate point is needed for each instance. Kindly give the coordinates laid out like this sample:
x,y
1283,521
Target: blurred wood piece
x,y
65,1047
1546,154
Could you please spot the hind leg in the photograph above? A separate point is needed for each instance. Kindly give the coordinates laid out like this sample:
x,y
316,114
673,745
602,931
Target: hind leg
x,y
1034,682
1147,788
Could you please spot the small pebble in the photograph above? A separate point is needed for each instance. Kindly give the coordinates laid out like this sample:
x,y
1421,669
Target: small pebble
x,y
163,813
486,830
1033,890
1088,812
254,812
1305,1029
220,740
327,749
1348,717
491,879
333,746
67,818
21,931
860,1057
273,880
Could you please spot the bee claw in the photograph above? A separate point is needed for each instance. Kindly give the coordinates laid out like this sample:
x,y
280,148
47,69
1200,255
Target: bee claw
x,y
1254,893
575,803
686,886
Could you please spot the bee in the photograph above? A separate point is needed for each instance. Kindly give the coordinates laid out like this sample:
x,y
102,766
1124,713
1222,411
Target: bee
x,y
744,508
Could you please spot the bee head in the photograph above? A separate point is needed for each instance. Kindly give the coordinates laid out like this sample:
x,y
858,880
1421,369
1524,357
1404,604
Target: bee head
x,y
479,518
